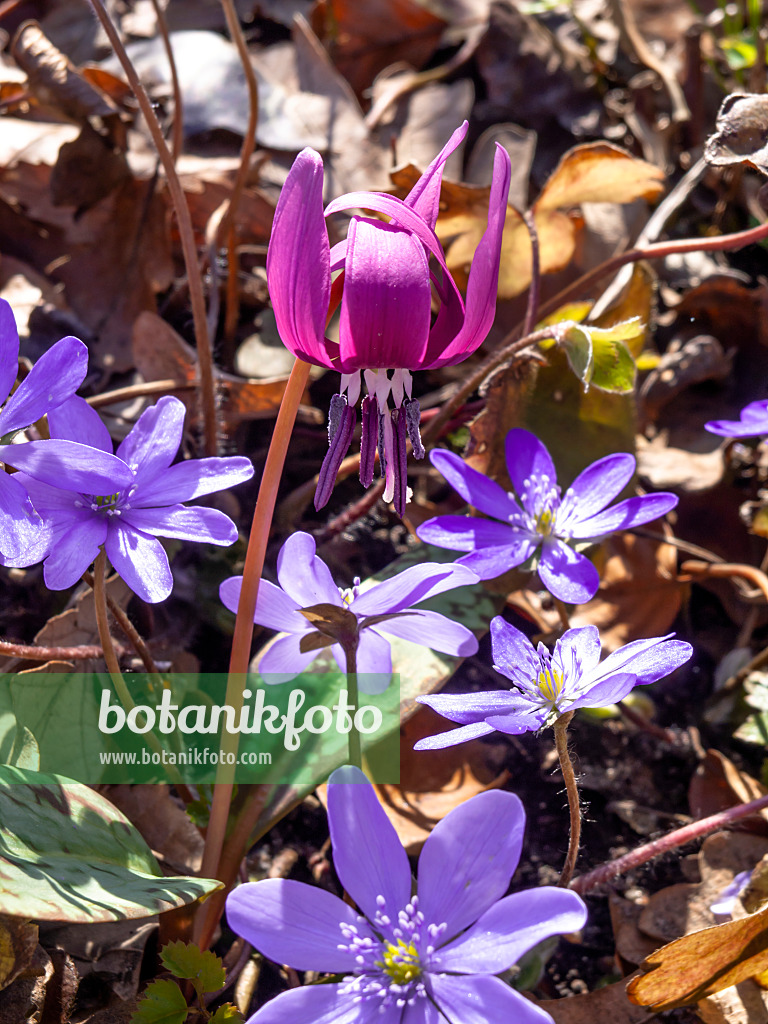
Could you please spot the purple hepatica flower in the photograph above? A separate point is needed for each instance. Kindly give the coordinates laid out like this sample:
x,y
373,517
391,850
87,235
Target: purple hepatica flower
x,y
544,519
385,306
305,581
89,497
753,422
547,686
407,959
53,379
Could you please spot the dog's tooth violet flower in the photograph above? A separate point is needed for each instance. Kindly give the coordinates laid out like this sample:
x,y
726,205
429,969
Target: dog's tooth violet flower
x,y
56,376
753,422
547,686
89,497
423,959
544,521
389,273
381,612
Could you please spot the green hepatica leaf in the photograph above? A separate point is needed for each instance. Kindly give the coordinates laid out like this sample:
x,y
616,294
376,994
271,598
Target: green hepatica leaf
x,y
226,1014
202,967
66,854
162,1003
600,356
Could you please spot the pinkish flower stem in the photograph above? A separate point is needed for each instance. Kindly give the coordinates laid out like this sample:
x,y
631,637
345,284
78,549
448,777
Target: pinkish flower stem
x,y
243,635
686,834
572,789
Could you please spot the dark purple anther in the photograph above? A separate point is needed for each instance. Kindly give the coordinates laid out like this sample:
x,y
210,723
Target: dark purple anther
x,y
339,445
368,440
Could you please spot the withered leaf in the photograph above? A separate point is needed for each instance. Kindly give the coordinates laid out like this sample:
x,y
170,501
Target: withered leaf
x,y
331,620
18,942
598,172
741,135
698,965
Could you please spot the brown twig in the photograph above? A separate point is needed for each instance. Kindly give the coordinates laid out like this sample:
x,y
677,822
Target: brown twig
x,y
177,137
186,234
533,289
83,652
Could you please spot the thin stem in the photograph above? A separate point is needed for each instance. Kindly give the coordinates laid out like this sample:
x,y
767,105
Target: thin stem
x,y
533,290
243,635
186,233
131,391
572,789
177,137
97,581
128,628
562,611
681,836
350,654
84,652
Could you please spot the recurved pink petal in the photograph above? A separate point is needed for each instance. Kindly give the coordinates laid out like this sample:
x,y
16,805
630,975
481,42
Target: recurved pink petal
x,y
386,307
483,276
298,262
424,197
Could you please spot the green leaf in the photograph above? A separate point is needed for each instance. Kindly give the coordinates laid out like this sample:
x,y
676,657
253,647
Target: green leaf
x,y
614,368
227,1014
204,968
578,347
67,854
599,355
162,1003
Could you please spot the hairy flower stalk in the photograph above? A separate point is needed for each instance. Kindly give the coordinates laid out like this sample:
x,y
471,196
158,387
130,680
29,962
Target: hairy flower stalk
x,y
389,273
405,958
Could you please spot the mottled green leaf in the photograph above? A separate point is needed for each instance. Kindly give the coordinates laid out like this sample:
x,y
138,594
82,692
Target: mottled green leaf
x,y
226,1014
67,854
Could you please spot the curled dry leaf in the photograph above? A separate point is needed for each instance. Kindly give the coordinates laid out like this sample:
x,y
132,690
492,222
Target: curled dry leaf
x,y
741,135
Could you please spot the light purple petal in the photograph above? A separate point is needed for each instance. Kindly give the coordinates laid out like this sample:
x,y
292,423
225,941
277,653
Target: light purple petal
x,y
22,534
753,421
529,719
454,736
513,653
56,375
489,563
510,928
466,533
74,546
527,459
417,583
367,854
374,655
284,659
567,574
9,350
480,999
605,692
422,1011
466,708
292,923
274,608
75,420
298,262
433,630
192,479
595,487
483,275
475,488
155,438
204,525
625,515
424,197
140,561
386,305
303,575
577,653
69,465
648,660
469,858
317,1004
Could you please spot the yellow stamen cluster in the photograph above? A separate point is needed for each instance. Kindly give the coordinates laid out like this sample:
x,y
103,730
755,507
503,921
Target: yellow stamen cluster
x,y
401,962
545,521
550,684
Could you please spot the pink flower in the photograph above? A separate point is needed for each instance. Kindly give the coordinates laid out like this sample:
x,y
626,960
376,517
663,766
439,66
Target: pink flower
x,y
390,272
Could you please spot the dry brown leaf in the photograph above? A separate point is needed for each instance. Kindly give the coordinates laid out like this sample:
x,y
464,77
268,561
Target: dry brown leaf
x,y
18,942
164,825
604,1004
717,784
161,354
745,1003
639,594
598,172
698,965
741,135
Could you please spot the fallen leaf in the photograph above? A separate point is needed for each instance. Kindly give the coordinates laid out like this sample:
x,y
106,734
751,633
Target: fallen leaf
x,y
609,1003
598,172
717,784
741,132
18,942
